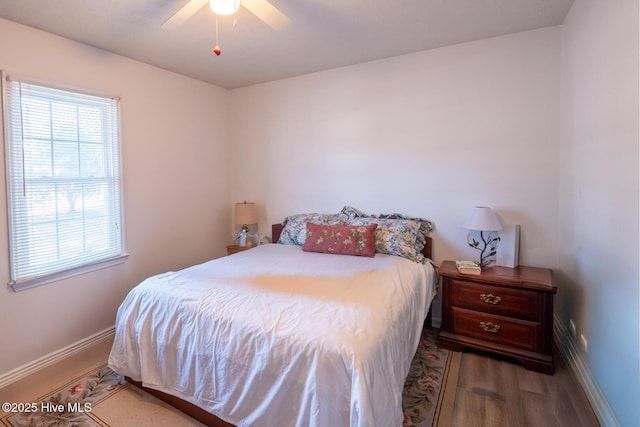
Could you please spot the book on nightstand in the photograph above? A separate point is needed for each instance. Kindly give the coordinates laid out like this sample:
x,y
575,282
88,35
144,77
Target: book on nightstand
x,y
468,267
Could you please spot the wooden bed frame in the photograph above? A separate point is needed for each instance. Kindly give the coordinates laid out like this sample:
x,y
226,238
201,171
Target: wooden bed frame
x,y
208,418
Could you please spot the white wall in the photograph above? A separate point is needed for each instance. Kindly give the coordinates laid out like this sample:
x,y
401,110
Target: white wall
x,y
430,134
599,194
176,210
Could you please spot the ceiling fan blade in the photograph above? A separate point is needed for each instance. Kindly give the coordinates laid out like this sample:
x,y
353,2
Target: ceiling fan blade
x,y
267,12
186,12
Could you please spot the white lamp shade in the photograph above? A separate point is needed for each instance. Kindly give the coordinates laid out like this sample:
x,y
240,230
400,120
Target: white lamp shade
x,y
224,7
483,219
246,213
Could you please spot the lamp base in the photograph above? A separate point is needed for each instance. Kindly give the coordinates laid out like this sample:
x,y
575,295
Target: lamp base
x,y
486,245
242,237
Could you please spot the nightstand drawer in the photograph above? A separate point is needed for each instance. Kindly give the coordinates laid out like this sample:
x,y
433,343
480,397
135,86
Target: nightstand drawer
x,y
518,303
497,329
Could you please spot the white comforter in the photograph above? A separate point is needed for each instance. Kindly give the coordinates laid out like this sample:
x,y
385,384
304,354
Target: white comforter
x,y
278,337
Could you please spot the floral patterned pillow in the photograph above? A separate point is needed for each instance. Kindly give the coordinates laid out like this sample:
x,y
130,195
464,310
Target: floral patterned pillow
x,y
341,239
426,226
402,237
294,230
350,212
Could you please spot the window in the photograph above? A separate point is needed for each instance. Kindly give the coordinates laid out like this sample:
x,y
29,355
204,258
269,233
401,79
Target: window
x,y
63,183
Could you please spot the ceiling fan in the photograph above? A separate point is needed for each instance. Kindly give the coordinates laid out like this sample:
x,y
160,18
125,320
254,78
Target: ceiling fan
x,y
261,8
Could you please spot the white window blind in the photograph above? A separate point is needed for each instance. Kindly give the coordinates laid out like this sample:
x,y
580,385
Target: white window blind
x,y
63,182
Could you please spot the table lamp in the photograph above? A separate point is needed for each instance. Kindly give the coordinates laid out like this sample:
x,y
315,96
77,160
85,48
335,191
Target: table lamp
x,y
245,213
483,219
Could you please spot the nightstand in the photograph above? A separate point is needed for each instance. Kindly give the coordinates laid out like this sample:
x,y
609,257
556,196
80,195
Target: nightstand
x,y
232,249
506,311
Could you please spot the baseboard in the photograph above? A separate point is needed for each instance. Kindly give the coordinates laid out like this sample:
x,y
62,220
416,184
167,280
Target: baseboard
x,y
436,321
570,353
55,357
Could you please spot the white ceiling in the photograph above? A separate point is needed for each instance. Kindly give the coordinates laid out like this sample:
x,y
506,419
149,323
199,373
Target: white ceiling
x,y
323,34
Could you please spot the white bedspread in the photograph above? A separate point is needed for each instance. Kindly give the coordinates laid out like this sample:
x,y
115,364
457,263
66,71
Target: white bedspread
x,y
278,337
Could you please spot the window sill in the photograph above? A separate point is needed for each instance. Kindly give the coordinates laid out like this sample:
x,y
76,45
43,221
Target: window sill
x,y
39,281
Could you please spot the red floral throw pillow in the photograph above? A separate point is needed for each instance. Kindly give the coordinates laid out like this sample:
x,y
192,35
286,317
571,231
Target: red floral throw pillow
x,y
339,239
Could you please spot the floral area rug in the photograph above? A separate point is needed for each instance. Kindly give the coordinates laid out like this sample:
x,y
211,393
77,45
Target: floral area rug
x,y
423,384
69,406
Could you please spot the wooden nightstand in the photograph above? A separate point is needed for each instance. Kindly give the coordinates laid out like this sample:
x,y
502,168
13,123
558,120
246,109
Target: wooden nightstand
x,y
232,249
507,311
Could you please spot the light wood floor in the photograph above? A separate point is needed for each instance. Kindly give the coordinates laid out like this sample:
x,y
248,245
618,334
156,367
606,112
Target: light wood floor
x,y
494,392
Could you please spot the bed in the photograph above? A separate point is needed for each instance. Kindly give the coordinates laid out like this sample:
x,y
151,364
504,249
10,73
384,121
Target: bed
x,y
278,336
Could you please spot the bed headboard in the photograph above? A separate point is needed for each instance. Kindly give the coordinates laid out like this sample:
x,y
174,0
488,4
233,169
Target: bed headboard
x,y
276,229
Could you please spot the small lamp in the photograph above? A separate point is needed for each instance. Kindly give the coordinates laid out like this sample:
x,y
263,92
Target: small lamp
x,y
483,219
245,214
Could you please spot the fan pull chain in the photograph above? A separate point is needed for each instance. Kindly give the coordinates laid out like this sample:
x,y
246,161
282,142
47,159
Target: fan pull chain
x,y
217,49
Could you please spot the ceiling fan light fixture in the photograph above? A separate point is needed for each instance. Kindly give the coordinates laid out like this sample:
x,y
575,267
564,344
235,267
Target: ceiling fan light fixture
x,y
224,7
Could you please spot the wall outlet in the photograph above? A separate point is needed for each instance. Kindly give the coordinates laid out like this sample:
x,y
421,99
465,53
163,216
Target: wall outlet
x,y
583,339
572,328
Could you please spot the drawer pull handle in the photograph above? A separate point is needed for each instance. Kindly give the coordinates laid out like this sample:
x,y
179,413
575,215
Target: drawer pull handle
x,y
490,298
489,327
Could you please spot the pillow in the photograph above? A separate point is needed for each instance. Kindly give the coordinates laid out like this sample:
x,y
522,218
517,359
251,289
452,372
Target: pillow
x,y
350,212
341,239
402,237
294,230
426,226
